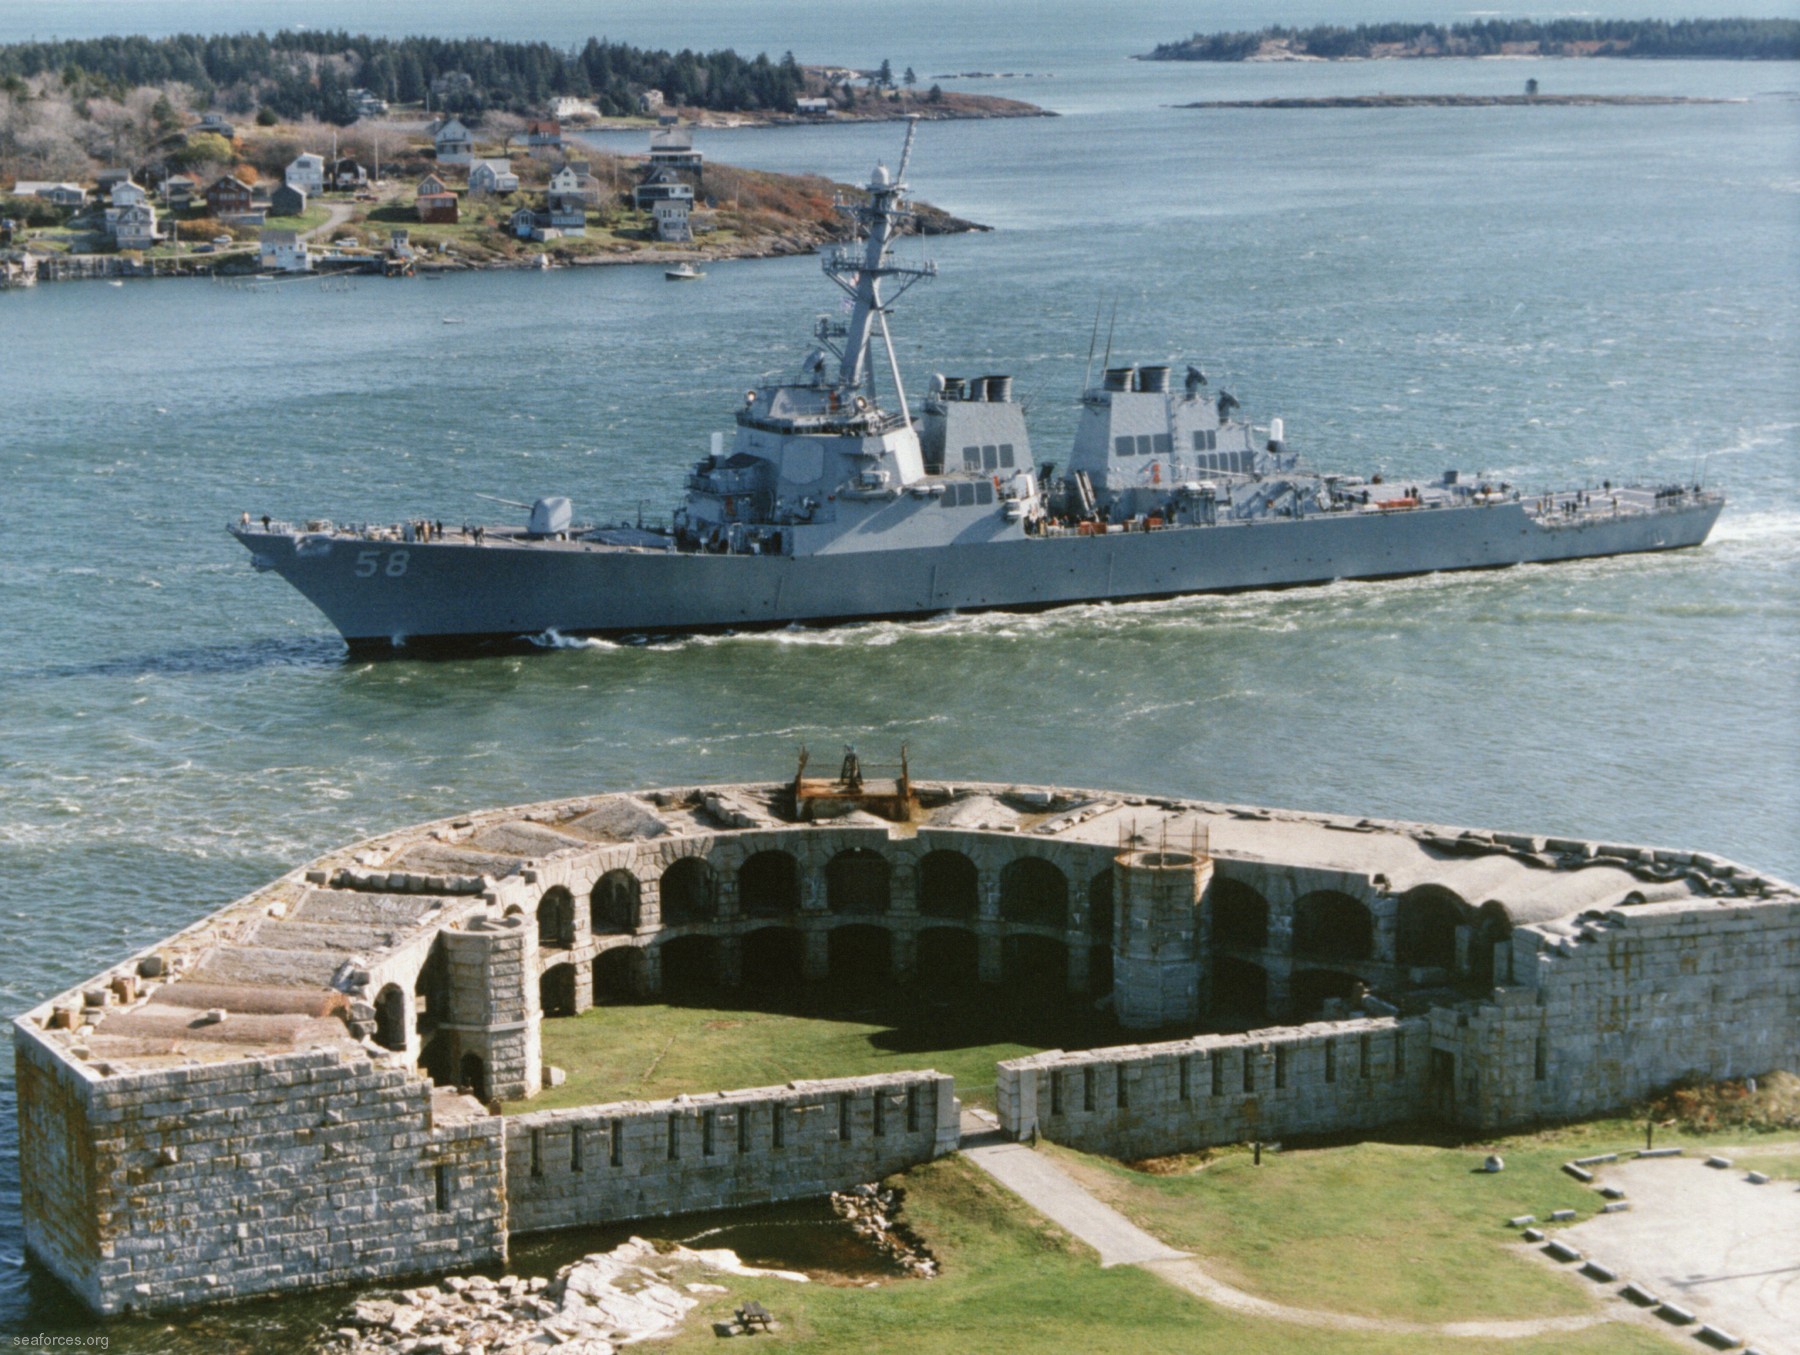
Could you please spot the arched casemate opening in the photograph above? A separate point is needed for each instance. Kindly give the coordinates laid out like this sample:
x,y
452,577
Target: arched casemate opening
x,y
689,893
1035,964
1492,928
1240,915
774,958
1240,989
618,974
556,919
861,954
1425,927
472,1077
947,886
613,906
769,885
431,993
858,882
1330,925
690,964
390,1017
1034,893
556,990
948,958
1312,988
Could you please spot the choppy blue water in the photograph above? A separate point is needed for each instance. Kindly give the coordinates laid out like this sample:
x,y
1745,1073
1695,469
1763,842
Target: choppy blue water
x,y
1548,294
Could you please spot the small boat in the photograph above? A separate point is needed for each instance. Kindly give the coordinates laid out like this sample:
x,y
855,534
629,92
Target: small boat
x,y
683,272
543,261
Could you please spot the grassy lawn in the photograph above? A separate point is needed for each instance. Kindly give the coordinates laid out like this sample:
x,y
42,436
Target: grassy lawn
x,y
1382,1229
709,1042
316,214
1013,1282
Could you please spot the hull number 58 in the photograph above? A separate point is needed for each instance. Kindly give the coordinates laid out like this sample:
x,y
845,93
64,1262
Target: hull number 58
x,y
368,563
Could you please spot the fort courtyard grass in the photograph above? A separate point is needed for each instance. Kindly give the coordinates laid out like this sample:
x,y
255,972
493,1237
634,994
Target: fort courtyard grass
x,y
706,1042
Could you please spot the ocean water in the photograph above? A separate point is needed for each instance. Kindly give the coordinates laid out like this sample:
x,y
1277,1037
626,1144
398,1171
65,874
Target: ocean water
x,y
1547,294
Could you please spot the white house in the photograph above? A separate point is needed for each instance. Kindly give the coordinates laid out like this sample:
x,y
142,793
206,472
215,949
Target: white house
x,y
125,193
813,108
566,109
135,226
455,143
61,194
285,252
671,219
492,176
306,172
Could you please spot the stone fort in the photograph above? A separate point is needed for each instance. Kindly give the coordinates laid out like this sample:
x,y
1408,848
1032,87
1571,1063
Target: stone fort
x,y
301,1089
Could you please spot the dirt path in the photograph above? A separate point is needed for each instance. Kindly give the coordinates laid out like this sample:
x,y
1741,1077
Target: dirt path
x,y
1047,1188
340,212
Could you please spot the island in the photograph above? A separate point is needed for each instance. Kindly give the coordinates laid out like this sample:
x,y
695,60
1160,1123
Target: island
x,y
129,157
1732,39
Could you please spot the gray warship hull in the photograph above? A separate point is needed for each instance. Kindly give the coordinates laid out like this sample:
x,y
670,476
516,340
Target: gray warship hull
x,y
385,593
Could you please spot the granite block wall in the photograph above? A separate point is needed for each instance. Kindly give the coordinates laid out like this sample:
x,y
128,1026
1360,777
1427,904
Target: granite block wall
x,y
206,1182
643,1159
1621,1004
1137,1101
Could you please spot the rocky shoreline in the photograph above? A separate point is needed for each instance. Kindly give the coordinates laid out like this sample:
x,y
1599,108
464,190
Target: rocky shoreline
x,y
632,1293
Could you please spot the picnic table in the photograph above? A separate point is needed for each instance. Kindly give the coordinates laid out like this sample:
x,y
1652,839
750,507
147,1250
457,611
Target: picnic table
x,y
753,1315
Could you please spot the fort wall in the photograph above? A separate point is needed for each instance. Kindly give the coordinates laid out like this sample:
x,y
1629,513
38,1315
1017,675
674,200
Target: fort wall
x,y
187,1185
1136,1101
638,1159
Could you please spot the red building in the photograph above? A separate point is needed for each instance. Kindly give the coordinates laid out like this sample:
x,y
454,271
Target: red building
x,y
227,195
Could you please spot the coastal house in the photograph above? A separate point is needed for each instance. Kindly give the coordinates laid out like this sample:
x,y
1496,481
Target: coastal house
x,y
454,142
287,200
126,193
650,101
213,124
673,148
368,103
526,224
543,136
58,194
572,192
135,226
283,251
670,220
661,184
435,203
306,171
106,178
492,176
178,191
345,175
814,108
228,195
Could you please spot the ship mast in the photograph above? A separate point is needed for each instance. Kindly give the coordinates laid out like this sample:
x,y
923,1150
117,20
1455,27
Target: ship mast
x,y
860,276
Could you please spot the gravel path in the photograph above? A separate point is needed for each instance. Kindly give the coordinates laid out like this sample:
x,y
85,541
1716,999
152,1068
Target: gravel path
x,y
1047,1188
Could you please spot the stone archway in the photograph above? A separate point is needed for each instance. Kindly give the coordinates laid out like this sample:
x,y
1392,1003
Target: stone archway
x,y
948,958
556,990
1330,925
1240,989
859,882
949,886
774,959
769,885
618,974
1425,927
689,892
862,954
390,1017
613,904
1240,915
556,919
1034,893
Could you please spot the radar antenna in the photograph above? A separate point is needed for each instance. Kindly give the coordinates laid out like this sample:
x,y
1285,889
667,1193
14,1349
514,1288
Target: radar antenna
x,y
881,218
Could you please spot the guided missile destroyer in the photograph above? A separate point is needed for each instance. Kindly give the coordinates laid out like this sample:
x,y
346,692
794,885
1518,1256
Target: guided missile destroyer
x,y
835,501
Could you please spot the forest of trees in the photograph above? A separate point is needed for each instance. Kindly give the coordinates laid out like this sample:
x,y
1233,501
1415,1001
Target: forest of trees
x,y
1720,39
310,74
